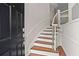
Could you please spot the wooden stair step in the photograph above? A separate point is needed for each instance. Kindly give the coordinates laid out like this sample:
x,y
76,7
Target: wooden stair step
x,y
33,54
47,30
44,37
46,40
42,48
46,33
43,42
51,28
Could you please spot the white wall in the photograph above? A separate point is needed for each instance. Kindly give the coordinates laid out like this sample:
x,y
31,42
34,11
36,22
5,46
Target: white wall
x,y
75,11
36,19
70,38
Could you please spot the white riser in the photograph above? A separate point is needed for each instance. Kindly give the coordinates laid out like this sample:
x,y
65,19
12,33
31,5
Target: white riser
x,y
42,45
44,53
48,29
47,32
46,40
50,36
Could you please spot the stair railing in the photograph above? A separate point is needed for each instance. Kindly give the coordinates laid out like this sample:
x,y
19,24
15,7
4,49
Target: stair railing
x,y
56,29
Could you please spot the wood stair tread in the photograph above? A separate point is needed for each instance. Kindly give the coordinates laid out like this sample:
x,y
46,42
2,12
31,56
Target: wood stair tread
x,y
43,42
47,30
46,33
42,48
33,54
44,37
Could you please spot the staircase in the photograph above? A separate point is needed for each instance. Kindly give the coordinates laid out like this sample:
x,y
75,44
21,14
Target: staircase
x,y
43,46
49,42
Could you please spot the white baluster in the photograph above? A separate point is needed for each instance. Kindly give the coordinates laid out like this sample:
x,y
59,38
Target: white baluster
x,y
55,38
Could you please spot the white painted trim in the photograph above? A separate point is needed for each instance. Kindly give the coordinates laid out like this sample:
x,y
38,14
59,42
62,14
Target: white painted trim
x,y
73,21
55,39
64,11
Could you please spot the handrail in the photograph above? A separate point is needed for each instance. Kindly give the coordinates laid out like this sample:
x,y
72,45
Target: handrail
x,y
54,19
57,14
64,11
